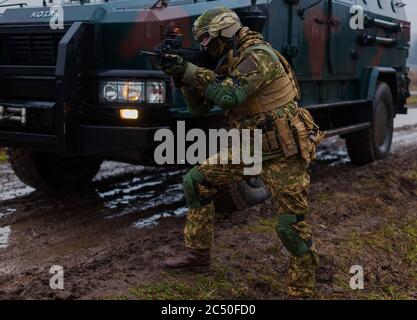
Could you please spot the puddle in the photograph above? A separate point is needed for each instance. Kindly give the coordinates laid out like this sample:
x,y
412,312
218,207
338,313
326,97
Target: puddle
x,y
332,151
11,187
154,220
110,169
333,157
149,191
404,138
402,120
126,188
7,212
146,201
15,193
4,236
152,194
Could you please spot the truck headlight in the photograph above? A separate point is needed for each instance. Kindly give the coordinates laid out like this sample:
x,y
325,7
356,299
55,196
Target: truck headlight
x,y
155,92
109,91
147,92
131,91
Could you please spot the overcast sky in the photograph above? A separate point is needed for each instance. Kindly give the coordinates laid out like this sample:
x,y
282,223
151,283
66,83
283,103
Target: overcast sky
x,y
412,14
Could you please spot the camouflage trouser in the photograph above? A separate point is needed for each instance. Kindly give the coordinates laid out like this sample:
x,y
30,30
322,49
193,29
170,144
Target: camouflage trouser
x,y
287,181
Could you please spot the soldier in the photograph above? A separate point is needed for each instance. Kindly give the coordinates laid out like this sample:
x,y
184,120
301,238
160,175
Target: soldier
x,y
256,87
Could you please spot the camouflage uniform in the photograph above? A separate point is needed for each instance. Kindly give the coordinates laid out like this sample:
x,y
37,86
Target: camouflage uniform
x,y
250,68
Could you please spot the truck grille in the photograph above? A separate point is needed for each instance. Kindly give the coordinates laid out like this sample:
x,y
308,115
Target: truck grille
x,y
33,49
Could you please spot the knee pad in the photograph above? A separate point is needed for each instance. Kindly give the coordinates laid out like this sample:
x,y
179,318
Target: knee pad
x,y
289,235
190,180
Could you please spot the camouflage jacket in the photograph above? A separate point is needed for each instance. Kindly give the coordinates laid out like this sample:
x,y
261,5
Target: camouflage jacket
x,y
248,71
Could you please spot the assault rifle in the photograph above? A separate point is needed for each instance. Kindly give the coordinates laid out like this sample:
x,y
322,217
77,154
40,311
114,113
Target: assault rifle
x,y
172,44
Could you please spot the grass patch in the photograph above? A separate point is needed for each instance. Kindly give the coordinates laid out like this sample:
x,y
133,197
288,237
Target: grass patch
x,y
266,225
116,298
411,232
394,293
399,237
200,287
411,174
3,155
396,244
269,282
386,293
222,282
322,197
412,100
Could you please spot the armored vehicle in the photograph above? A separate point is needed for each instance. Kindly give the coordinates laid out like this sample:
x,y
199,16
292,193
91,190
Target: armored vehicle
x,y
75,94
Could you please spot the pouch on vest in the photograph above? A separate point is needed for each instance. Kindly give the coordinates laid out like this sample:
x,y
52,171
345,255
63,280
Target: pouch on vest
x,y
304,141
309,134
269,138
272,139
265,145
286,138
314,132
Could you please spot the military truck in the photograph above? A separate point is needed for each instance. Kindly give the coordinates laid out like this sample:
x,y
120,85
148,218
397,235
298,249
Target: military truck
x,y
74,96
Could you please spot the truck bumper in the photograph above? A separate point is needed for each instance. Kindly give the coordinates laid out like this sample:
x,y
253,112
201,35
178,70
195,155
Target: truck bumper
x,y
91,140
102,140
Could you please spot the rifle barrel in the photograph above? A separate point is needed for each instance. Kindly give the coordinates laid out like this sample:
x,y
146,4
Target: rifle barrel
x,y
148,53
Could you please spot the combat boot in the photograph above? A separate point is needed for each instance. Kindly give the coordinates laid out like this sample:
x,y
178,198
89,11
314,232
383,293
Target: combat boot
x,y
189,259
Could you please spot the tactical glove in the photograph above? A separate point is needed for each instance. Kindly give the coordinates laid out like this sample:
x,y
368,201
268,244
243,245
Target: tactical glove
x,y
173,65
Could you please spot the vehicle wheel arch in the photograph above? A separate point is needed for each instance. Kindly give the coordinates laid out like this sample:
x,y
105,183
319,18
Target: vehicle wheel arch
x,y
374,143
382,74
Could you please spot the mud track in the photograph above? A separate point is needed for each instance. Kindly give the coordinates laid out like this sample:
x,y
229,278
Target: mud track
x,y
109,239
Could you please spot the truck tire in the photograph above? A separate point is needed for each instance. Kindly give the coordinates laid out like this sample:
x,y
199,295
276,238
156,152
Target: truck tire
x,y
241,196
374,143
49,172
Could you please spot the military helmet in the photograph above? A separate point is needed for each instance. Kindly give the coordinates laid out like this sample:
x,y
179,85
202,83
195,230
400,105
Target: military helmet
x,y
216,22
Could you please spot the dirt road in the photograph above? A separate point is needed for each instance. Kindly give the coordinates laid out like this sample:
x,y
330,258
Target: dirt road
x,y
109,240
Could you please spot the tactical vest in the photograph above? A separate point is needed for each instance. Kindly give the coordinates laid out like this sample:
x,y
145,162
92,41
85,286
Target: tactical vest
x,y
299,135
276,94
